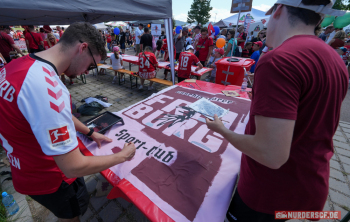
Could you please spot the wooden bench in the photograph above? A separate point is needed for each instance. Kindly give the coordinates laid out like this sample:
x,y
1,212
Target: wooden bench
x,y
134,76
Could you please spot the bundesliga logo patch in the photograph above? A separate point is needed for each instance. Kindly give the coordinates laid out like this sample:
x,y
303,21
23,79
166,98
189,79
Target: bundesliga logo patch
x,y
59,136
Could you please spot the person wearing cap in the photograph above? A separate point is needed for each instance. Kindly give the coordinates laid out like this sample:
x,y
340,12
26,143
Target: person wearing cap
x,y
186,59
326,33
138,34
296,100
217,56
116,62
7,44
256,54
180,41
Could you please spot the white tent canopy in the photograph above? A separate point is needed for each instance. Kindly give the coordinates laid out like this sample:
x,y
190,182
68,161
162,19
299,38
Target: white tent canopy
x,y
100,26
48,12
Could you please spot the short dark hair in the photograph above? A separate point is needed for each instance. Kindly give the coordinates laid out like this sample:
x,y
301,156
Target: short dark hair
x,y
146,29
30,26
84,31
232,32
204,29
163,32
197,27
248,43
141,24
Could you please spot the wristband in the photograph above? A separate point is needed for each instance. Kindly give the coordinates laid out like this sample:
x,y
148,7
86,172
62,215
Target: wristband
x,y
91,132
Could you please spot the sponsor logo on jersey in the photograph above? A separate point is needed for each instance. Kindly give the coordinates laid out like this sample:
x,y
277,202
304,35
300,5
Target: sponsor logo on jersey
x,y
59,136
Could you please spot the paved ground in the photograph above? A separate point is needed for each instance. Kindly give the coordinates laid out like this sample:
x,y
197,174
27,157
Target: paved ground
x,y
102,209
345,108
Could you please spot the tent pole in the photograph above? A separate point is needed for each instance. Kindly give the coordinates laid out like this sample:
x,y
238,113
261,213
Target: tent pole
x,y
234,40
169,33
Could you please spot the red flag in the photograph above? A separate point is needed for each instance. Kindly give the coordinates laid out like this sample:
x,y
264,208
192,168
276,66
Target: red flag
x,y
211,29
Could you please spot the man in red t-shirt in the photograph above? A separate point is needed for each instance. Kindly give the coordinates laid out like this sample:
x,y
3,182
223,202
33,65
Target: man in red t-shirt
x,y
204,46
33,44
147,66
296,100
60,32
109,40
186,59
38,130
241,37
7,44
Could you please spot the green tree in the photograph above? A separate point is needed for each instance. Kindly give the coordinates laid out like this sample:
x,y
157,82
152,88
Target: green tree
x,y
342,5
199,12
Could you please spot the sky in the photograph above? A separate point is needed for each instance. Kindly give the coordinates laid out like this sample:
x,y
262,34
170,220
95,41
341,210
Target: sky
x,y
221,8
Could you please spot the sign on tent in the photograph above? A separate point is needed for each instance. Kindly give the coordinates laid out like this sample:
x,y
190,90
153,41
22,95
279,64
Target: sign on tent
x,y
241,6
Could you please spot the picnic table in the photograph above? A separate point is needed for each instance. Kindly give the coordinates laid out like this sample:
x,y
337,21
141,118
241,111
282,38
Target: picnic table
x,y
164,65
181,171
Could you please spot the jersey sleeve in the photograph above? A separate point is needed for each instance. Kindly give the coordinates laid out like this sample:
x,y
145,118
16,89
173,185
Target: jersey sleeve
x,y
154,59
276,89
210,42
45,103
195,59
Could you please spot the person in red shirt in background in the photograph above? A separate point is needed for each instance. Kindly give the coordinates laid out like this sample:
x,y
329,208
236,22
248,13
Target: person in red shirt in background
x,y
109,40
60,32
241,37
186,59
147,66
296,100
33,45
50,41
7,44
204,47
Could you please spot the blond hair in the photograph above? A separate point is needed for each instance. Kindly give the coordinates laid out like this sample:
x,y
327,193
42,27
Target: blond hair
x,y
340,35
48,39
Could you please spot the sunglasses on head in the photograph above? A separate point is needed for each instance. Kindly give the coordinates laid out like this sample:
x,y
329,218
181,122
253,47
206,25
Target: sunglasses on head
x,y
93,66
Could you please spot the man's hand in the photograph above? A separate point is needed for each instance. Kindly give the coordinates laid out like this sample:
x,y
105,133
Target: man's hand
x,y
128,152
216,125
98,138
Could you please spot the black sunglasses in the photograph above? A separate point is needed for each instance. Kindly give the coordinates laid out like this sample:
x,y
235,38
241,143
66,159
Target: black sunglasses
x,y
91,67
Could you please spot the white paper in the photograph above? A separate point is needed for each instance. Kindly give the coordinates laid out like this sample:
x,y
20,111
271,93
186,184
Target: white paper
x,y
208,108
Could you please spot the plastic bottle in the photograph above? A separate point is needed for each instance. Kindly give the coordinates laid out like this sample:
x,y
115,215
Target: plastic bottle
x,y
244,85
9,203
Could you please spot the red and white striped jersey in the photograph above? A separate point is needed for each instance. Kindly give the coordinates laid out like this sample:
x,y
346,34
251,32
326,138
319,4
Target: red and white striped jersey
x,y
36,124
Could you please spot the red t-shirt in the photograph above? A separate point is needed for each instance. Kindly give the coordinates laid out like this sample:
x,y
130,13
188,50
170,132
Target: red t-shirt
x,y
203,48
61,33
36,36
300,82
144,64
6,41
109,38
36,124
186,60
47,46
242,36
